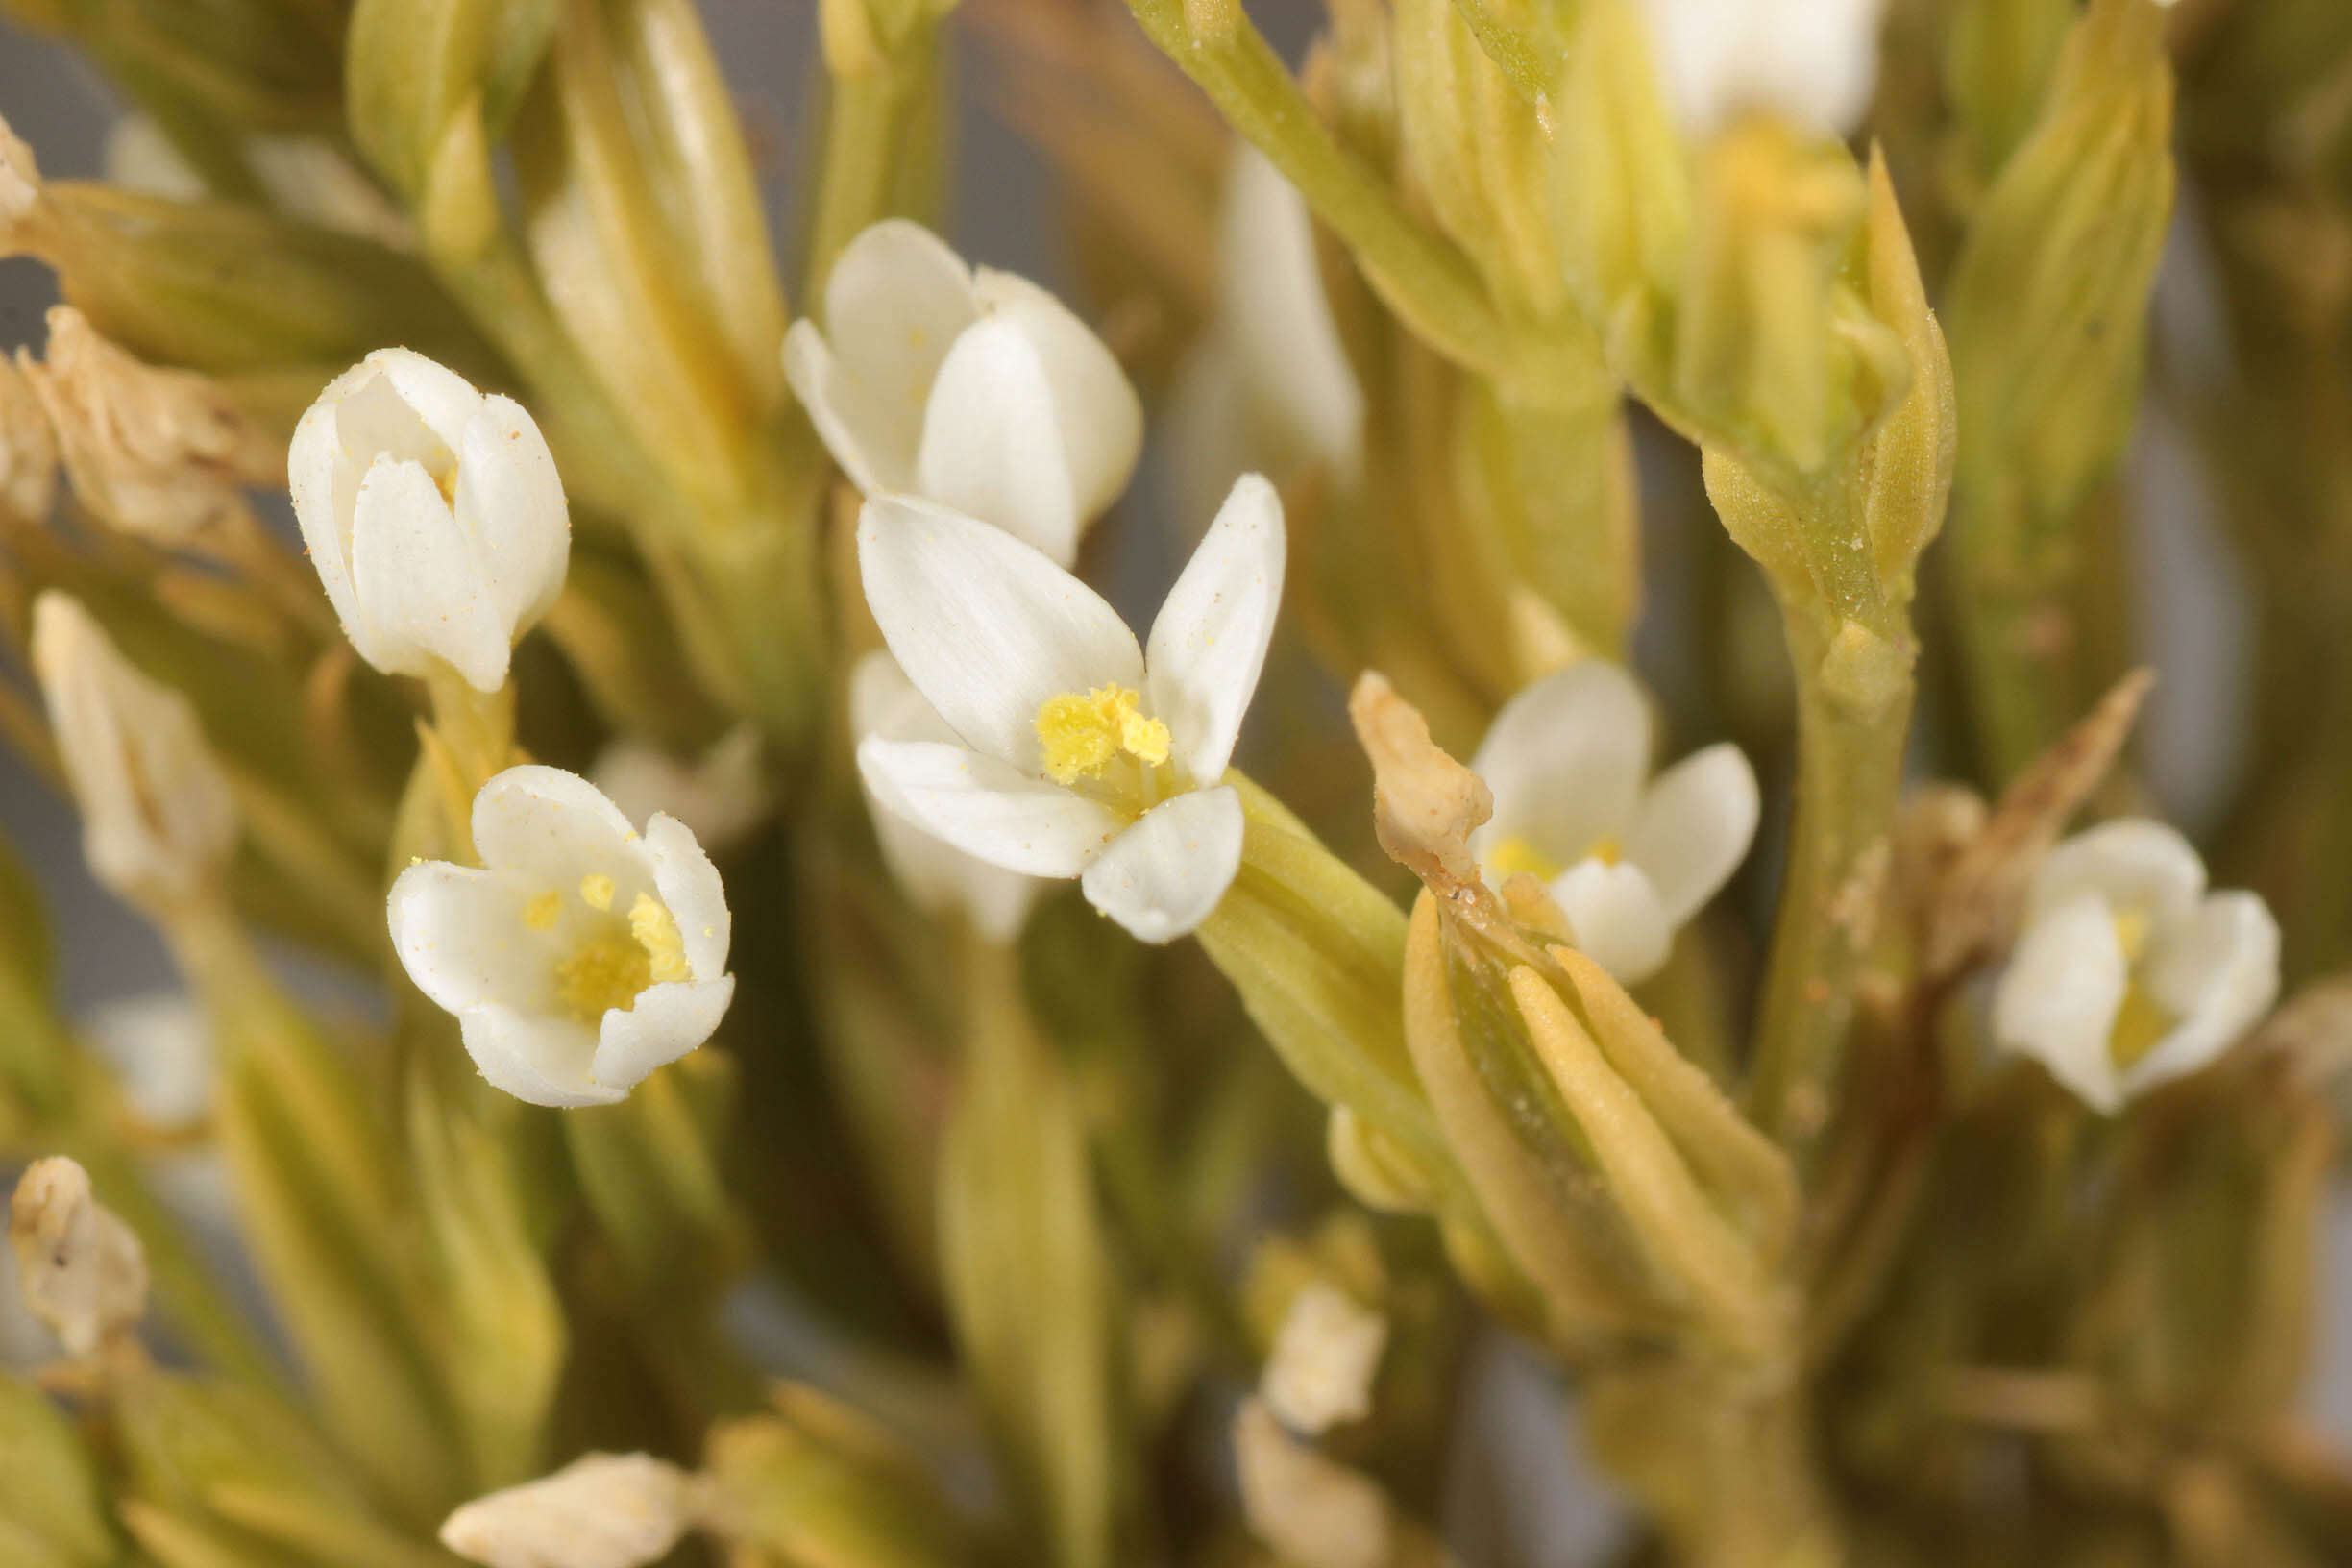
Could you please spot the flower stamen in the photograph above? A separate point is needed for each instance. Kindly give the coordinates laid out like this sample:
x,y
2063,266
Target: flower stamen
x,y
1082,733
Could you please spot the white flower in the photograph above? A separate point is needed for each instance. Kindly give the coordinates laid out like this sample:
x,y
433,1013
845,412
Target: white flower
x,y
2127,973
601,1510
938,878
1083,756
158,818
582,956
1627,858
1814,61
1270,387
1325,1356
972,388
434,514
722,796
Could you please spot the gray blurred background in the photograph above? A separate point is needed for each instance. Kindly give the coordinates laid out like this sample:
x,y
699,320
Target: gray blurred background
x,y
1521,1497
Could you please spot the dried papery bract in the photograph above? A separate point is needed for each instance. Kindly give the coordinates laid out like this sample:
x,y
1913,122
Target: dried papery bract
x,y
28,448
81,1268
157,818
162,454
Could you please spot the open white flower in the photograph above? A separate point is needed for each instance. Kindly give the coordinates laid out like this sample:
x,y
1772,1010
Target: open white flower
x,y
433,515
157,818
582,955
970,387
1814,61
936,875
1627,858
1082,754
2127,973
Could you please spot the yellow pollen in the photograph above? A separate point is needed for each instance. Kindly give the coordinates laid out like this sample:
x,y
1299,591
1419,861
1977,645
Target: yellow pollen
x,y
596,891
1082,733
2131,929
1516,853
658,935
604,973
541,912
1605,850
2140,1022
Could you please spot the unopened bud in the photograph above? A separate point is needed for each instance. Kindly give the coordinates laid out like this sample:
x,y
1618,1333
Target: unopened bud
x,y
81,1268
602,1511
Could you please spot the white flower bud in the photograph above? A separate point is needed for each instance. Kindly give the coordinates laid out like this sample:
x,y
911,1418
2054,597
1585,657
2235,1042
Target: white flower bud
x,y
434,514
160,454
581,955
972,388
157,818
28,448
1314,1512
1324,1359
80,1269
1814,61
601,1510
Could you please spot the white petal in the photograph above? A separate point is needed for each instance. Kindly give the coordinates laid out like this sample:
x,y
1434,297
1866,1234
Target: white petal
x,y
419,584
317,469
539,1058
1615,917
512,501
443,399
2218,975
1209,644
2058,1000
986,627
2138,866
940,879
664,1023
543,827
461,936
1566,759
896,302
1164,875
884,702
688,886
1694,826
993,444
1293,364
1100,416
988,808
843,422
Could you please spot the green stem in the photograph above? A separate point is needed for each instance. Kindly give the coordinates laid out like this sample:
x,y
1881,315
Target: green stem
x,y
1426,281
874,119
1849,778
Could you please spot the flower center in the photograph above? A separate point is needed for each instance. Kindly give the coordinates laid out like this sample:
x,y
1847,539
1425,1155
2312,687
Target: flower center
x,y
1082,733
616,959
1518,853
2141,1022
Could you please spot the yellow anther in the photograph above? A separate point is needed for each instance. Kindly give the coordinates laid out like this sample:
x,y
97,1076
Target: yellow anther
x,y
541,912
1607,849
1516,853
658,935
596,891
1081,733
604,973
2140,1024
2131,929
